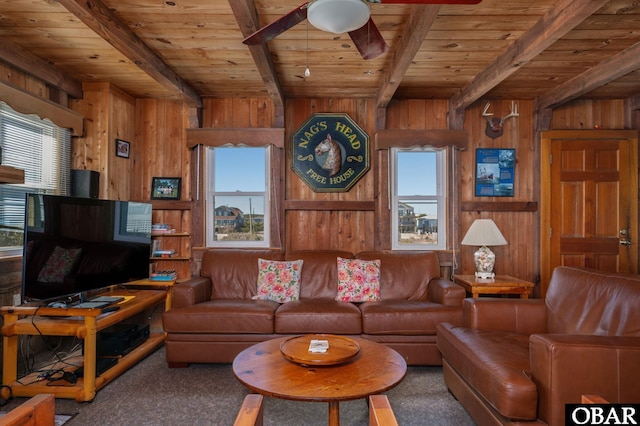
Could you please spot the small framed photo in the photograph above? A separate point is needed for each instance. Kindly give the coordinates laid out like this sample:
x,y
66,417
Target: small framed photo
x,y
122,148
165,188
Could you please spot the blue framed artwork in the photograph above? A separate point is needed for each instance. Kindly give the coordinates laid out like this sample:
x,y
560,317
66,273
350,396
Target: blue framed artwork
x,y
495,172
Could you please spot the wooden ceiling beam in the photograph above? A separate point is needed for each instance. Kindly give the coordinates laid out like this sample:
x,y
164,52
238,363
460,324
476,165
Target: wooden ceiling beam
x,y
104,22
421,18
26,61
605,72
247,17
558,21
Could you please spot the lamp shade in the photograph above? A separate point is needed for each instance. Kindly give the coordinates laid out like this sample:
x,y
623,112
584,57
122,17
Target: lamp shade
x,y
483,232
338,16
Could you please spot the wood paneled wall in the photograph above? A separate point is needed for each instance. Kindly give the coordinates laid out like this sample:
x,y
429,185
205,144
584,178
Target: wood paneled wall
x,y
329,227
159,150
592,114
518,217
156,129
109,115
519,226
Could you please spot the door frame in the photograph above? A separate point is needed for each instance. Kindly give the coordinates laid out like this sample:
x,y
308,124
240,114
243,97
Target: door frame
x,y
547,139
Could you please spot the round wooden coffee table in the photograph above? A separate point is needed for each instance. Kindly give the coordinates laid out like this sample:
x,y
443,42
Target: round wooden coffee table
x,y
374,369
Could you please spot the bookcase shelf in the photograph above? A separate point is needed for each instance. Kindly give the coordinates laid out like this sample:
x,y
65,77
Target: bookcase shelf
x,y
177,215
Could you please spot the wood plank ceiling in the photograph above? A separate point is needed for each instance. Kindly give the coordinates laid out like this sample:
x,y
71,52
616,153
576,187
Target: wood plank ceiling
x,y
549,50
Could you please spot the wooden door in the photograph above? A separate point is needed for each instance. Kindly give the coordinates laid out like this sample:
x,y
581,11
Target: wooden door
x,y
589,201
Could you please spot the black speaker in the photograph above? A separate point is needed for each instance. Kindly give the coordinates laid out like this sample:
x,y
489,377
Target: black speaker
x,y
85,183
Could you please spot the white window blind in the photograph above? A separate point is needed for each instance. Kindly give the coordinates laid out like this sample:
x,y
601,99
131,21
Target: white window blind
x,y
43,151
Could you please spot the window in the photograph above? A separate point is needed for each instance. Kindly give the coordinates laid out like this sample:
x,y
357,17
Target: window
x,y
43,151
418,199
238,196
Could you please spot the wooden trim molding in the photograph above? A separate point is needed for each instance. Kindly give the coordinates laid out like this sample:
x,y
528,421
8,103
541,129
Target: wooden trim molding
x,y
27,103
386,139
330,205
499,206
170,204
251,137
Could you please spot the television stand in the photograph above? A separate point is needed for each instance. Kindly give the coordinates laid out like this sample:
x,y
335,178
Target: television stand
x,y
83,324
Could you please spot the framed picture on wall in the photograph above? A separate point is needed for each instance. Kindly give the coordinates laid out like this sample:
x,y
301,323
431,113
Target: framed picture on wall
x,y
122,148
165,188
495,172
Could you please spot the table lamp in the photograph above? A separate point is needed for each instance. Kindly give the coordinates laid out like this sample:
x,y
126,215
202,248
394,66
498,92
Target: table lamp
x,y
483,233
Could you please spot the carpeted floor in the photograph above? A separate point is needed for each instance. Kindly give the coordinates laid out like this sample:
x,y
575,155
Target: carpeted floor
x,y
152,394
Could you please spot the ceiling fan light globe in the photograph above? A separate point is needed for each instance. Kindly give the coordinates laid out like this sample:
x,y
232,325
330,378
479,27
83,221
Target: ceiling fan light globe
x,y
338,16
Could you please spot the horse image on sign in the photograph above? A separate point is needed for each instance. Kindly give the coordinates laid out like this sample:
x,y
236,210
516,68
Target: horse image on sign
x,y
330,152
333,158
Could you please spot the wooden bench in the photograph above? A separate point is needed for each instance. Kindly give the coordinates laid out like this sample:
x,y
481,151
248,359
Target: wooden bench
x,y
251,412
380,412
37,411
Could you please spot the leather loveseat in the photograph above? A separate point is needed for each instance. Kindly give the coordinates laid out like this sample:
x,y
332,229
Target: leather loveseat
x,y
214,316
520,361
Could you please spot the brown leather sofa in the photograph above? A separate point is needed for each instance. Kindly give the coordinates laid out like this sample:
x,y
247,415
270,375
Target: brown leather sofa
x,y
520,361
213,317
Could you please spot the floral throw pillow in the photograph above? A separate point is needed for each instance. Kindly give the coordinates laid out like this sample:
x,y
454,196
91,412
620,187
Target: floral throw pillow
x,y
358,280
59,265
278,280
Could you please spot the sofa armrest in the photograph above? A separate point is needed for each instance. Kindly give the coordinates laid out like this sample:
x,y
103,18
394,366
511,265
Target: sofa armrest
x,y
524,316
190,292
564,367
445,292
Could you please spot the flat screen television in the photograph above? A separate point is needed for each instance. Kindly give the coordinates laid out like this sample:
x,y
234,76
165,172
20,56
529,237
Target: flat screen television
x,y
74,245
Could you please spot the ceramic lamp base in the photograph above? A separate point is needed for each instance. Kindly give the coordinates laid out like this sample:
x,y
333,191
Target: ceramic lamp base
x,y
485,275
485,260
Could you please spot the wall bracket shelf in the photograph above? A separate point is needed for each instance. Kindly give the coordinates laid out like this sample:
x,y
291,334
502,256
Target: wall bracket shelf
x,y
499,206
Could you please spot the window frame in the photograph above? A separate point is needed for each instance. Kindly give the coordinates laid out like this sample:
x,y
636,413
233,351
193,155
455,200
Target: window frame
x,y
210,195
54,152
441,197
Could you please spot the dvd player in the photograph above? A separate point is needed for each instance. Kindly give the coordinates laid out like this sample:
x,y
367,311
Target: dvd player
x,y
120,339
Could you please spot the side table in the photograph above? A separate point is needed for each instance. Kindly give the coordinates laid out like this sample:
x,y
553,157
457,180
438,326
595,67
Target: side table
x,y
501,284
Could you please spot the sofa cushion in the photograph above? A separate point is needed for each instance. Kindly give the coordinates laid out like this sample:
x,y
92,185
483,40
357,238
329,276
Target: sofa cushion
x,y
318,316
404,276
495,364
319,278
406,317
278,280
226,316
234,273
358,280
581,301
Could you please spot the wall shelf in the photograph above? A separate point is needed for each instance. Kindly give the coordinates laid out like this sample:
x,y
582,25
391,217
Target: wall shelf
x,y
499,206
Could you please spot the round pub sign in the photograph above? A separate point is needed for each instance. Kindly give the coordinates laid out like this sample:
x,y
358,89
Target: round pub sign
x,y
330,152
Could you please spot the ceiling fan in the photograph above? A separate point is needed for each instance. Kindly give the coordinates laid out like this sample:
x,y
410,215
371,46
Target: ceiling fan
x,y
340,16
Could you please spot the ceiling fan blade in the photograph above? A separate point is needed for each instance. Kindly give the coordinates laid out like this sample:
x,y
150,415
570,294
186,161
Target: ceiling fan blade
x,y
425,1
369,41
278,26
